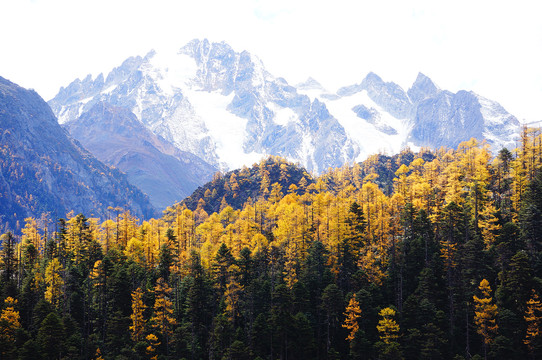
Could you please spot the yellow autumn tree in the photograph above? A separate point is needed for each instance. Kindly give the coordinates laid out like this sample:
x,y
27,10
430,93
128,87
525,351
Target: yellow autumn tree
x,y
401,182
108,234
97,274
162,319
210,230
265,181
387,327
258,243
433,176
290,266
370,262
135,250
185,227
98,280
153,343
533,318
485,313
98,355
138,321
9,323
352,313
54,282
388,330
232,293
31,233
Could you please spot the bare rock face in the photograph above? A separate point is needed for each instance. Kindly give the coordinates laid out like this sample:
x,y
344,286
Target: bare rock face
x,y
447,119
422,89
388,95
43,170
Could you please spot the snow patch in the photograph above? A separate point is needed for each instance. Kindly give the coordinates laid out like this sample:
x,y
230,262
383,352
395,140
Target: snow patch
x,y
369,139
171,70
258,77
495,132
311,93
307,151
110,89
491,111
283,116
226,129
63,115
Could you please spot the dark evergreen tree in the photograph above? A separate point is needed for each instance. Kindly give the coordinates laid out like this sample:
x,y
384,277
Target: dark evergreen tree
x,y
350,245
51,337
221,263
165,261
332,306
8,258
531,221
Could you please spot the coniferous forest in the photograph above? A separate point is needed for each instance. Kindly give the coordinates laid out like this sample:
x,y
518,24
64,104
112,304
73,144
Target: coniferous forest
x,y
427,255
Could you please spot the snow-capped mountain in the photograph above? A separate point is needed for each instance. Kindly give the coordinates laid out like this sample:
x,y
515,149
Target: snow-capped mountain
x,y
224,107
218,104
381,116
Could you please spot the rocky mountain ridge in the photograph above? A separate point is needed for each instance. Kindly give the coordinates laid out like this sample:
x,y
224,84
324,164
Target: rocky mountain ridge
x,y
226,108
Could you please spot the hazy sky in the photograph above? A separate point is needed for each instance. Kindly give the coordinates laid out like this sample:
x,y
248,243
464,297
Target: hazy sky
x,y
491,47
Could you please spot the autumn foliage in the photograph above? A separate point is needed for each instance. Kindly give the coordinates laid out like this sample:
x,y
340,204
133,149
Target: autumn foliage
x,y
389,258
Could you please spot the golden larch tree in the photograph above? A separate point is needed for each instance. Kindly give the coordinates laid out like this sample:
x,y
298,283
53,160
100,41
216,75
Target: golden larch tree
x,y
353,314
153,342
31,233
485,313
54,282
232,293
98,355
387,327
9,323
533,317
162,319
138,321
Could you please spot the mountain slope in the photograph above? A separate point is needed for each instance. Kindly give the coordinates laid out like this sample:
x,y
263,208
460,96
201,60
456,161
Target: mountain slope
x,y
117,138
236,187
43,170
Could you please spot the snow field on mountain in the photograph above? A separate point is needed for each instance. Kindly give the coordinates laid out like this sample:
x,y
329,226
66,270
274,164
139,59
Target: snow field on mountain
x,y
283,116
495,116
172,70
226,129
369,139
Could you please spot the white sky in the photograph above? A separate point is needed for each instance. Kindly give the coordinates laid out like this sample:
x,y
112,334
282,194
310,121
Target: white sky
x,y
491,47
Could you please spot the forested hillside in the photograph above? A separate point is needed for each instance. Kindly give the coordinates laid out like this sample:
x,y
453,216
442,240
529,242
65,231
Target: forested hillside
x,y
237,187
442,259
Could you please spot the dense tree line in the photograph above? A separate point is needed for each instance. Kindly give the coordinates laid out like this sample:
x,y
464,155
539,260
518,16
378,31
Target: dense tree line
x,y
441,261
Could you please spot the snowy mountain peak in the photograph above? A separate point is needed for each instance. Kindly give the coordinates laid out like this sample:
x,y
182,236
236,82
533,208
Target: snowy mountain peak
x,y
422,78
225,107
371,79
422,89
218,104
310,84
388,95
